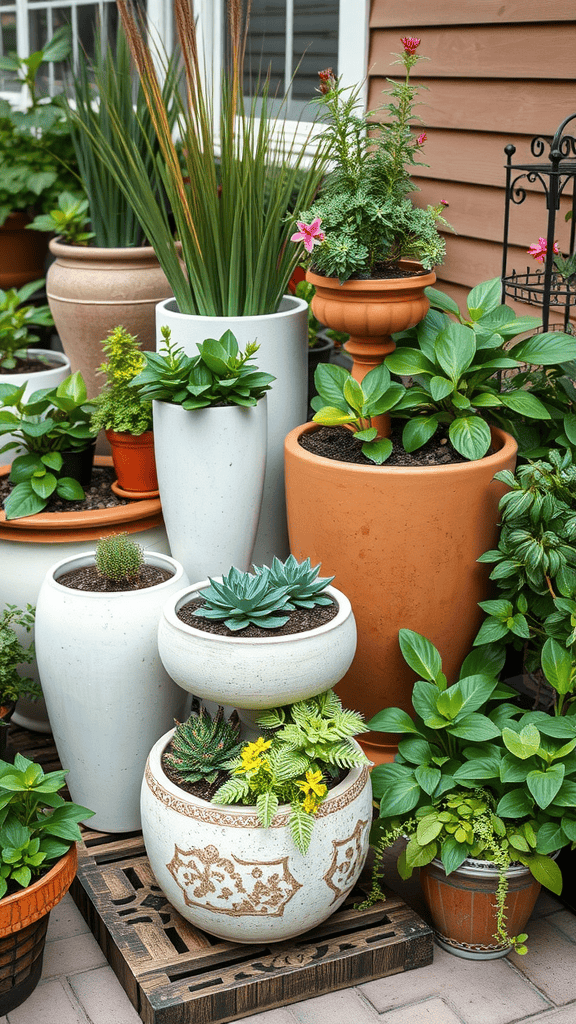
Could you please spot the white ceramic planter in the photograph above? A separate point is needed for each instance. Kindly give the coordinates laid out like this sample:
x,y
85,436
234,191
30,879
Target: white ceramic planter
x,y
210,465
108,696
283,340
48,378
253,672
226,874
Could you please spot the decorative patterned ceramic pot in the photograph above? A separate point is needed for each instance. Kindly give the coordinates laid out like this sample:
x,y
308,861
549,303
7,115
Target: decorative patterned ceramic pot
x,y
226,874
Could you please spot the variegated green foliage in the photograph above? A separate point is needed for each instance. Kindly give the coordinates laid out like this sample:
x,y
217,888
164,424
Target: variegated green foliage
x,y
305,587
203,746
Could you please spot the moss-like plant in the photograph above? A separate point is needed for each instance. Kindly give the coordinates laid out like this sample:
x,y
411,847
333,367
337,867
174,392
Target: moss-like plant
x,y
12,654
118,558
119,407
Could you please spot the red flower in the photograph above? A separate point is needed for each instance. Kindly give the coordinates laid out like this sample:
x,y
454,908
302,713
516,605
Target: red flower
x,y
410,44
539,249
421,138
327,81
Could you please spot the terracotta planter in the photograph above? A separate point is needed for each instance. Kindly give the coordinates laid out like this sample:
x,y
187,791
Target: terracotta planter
x,y
463,906
29,546
22,252
371,311
403,545
134,463
92,290
23,923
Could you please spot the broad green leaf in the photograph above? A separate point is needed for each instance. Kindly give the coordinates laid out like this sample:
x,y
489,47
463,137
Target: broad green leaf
x,y
557,666
389,400
453,854
427,777
418,431
480,768
470,436
378,451
455,349
474,727
522,744
329,381
330,416
22,501
547,872
484,297
441,301
570,427
546,349
392,720
420,654
409,362
490,630
485,661
551,837
418,856
401,795
566,795
377,381
44,485
428,829
545,785
525,404
354,394
415,750
516,804
440,388
73,388
69,489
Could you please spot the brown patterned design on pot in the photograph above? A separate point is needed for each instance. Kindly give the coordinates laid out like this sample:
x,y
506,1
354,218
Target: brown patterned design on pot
x,y
216,815
257,888
345,856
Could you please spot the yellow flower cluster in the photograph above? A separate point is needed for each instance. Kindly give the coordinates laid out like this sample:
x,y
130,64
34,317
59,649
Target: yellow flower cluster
x,y
253,756
314,791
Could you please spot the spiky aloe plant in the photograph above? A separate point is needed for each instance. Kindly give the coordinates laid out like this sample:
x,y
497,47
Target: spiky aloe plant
x,y
242,599
203,746
305,587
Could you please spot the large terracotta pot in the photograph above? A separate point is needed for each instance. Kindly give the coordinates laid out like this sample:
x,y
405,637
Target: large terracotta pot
x,y
371,311
403,544
23,923
29,546
22,252
90,291
463,906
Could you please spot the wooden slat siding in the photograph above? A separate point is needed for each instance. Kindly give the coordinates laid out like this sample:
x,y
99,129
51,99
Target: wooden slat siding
x,y
500,51
465,12
459,158
507,107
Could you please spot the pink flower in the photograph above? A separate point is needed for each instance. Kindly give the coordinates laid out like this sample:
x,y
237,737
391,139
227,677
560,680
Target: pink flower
x,y
539,249
410,44
310,234
421,138
444,202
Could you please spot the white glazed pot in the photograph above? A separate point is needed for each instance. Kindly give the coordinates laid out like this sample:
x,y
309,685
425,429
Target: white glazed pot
x,y
283,341
210,465
226,874
48,378
256,672
108,696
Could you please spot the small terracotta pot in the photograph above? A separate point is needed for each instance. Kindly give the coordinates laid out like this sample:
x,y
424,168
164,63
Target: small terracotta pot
x,y
22,252
134,462
402,543
463,906
23,923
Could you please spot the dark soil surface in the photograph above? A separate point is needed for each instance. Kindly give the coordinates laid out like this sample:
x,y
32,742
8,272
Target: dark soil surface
x,y
339,444
30,365
382,272
88,578
98,495
299,621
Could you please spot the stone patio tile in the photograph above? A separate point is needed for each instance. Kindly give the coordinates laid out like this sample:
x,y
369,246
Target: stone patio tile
x,y
546,904
69,956
478,993
65,920
103,998
566,922
551,961
431,1011
563,1015
343,1007
50,1003
282,1016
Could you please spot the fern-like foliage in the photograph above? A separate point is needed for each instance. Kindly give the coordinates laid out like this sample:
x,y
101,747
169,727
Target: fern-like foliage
x,y
204,746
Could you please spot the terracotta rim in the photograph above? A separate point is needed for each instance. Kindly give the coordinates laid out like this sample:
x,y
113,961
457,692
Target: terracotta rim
x,y
85,253
507,447
29,905
400,284
89,519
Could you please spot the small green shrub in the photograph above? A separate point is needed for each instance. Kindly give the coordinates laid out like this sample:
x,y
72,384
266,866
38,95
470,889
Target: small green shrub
x,y
118,558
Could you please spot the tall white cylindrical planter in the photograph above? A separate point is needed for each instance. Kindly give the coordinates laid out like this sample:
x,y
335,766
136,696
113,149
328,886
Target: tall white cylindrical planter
x,y
283,340
108,696
210,465
57,369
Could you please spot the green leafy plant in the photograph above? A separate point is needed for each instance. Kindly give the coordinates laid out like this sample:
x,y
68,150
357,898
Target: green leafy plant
x,y
465,740
119,407
119,558
305,587
310,740
219,375
103,93
15,322
242,599
535,566
46,423
12,653
202,746
231,213
36,151
37,826
456,370
67,221
362,220
342,401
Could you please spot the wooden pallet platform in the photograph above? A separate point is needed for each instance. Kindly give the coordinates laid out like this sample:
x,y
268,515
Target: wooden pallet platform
x,y
174,973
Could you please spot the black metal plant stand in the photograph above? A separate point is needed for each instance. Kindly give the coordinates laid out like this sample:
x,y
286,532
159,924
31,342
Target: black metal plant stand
x,y
544,287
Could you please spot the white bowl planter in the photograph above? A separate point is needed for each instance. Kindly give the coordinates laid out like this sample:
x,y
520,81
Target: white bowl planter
x,y
210,464
108,696
254,672
53,375
283,341
226,874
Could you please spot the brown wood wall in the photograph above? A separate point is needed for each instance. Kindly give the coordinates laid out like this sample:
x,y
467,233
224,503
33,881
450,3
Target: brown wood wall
x,y
499,71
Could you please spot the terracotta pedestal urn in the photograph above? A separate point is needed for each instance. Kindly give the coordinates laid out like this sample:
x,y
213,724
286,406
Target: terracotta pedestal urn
x,y
22,252
403,544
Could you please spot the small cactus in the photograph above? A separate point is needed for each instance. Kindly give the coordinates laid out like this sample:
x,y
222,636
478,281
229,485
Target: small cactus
x,y
202,746
118,558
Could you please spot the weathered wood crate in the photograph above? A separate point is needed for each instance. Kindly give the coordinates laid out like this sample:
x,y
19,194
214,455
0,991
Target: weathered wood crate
x,y
174,973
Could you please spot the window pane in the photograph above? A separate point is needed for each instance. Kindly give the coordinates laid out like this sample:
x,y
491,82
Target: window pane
x,y
7,44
